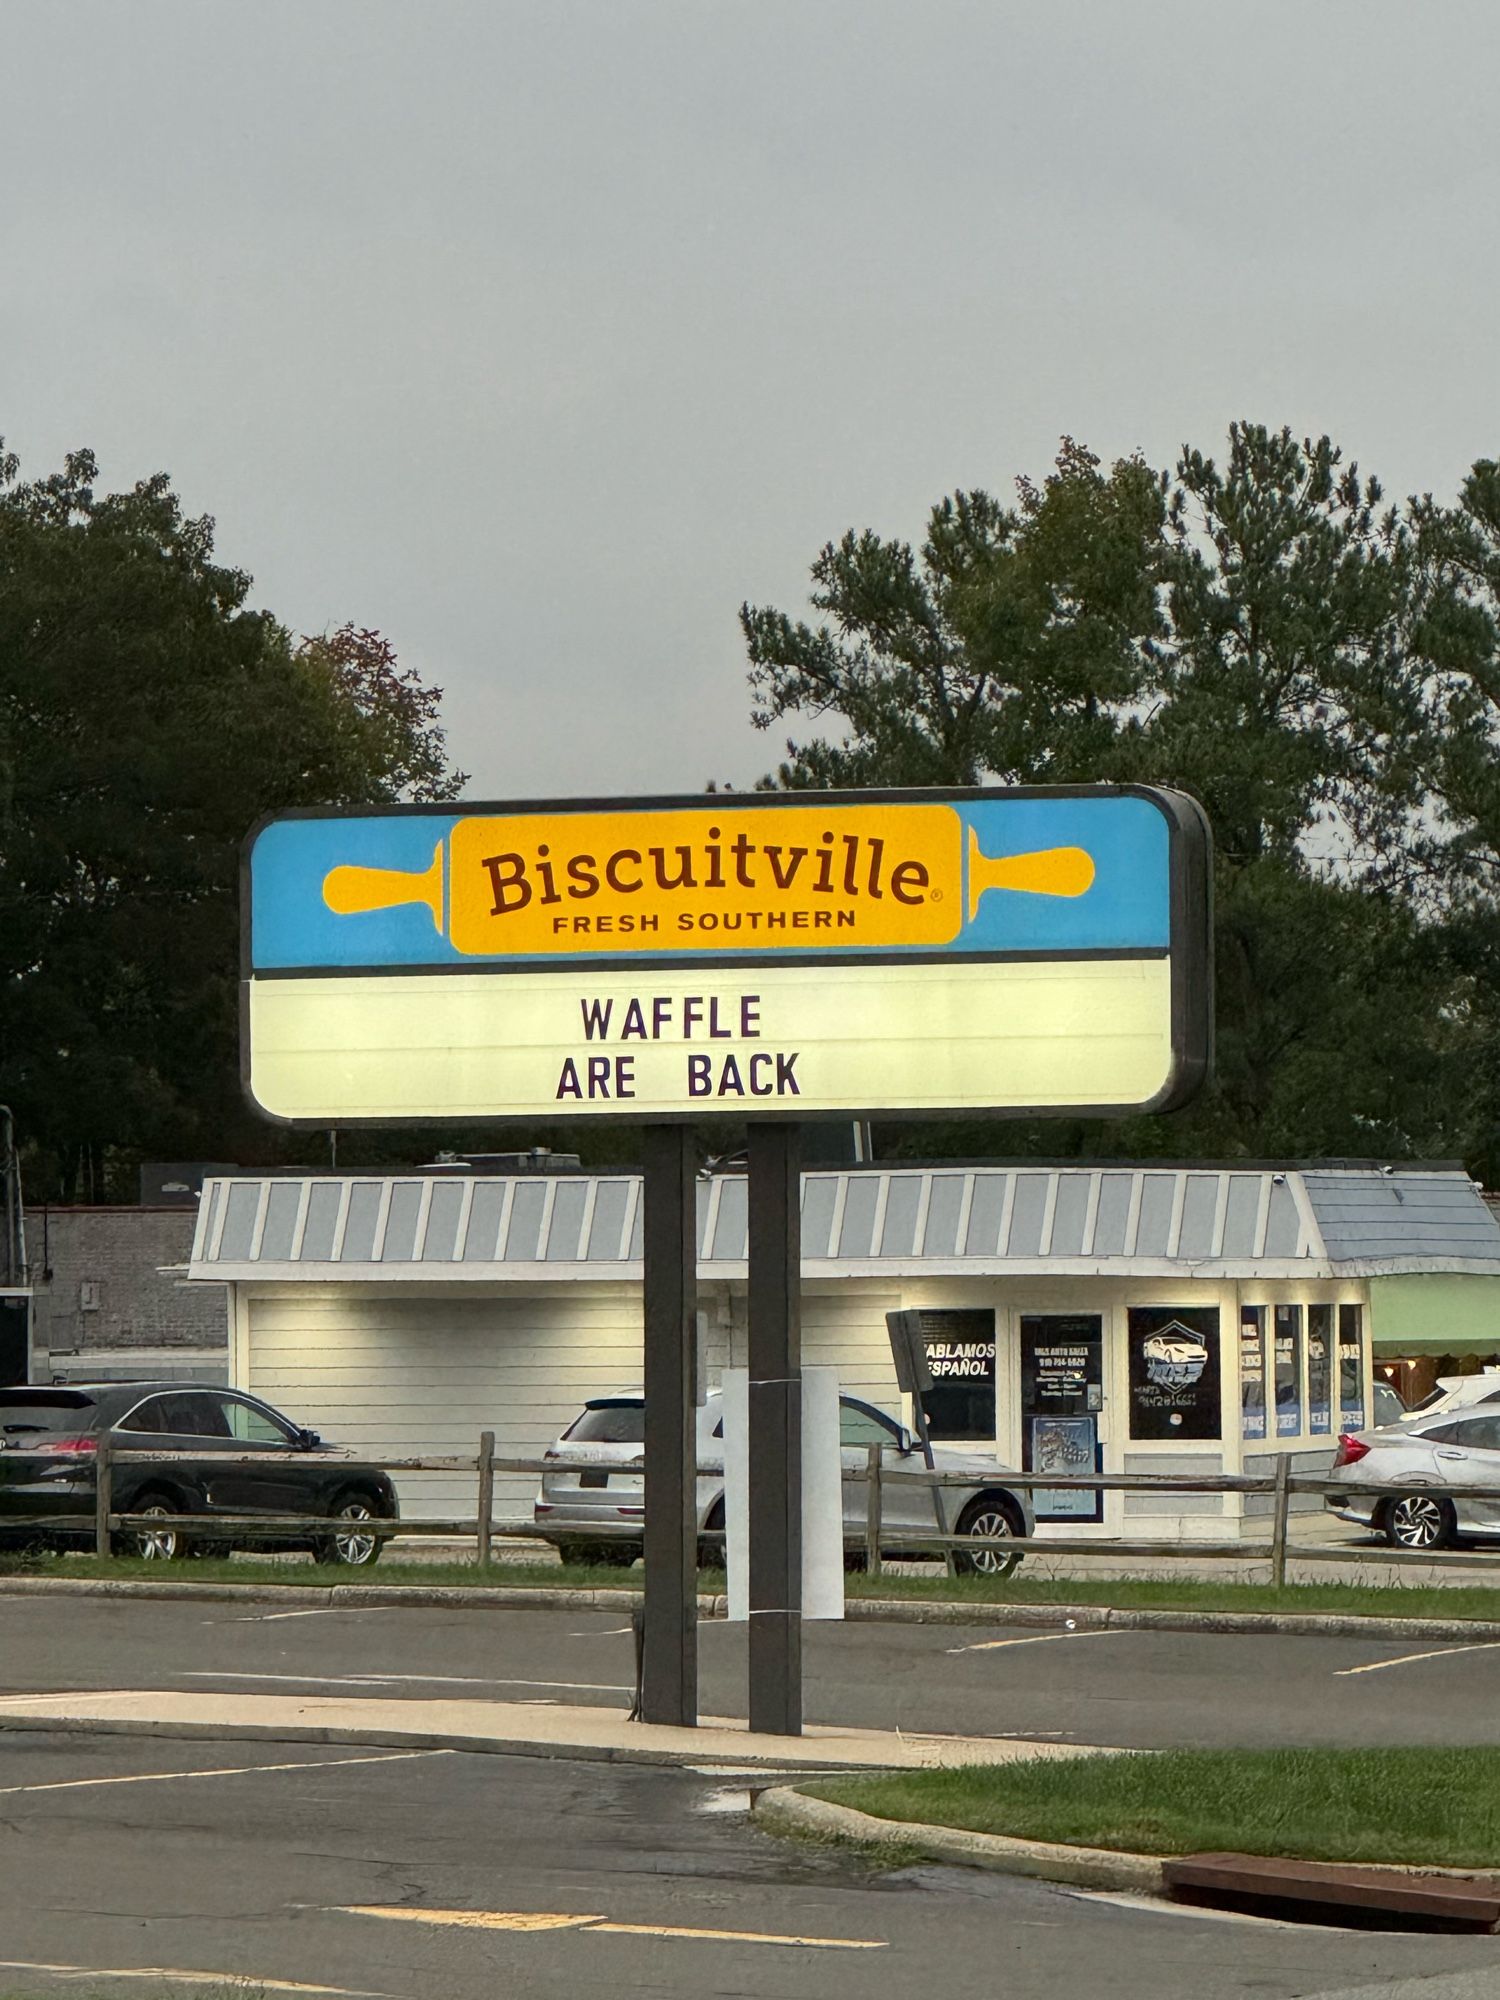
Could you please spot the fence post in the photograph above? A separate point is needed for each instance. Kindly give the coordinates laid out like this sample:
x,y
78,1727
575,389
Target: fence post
x,y
1281,1506
873,1510
104,1482
485,1511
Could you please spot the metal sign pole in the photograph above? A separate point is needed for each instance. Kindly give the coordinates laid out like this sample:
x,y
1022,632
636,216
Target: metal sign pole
x,y
775,1428
669,1662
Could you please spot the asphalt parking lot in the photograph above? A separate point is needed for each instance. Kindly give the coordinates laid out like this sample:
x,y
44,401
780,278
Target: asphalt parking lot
x,y
1146,1690
141,1867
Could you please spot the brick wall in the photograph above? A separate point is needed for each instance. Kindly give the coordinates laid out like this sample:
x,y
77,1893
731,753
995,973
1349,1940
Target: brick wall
x,y
100,1285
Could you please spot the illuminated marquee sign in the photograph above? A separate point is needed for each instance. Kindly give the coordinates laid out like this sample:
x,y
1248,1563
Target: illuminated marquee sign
x,y
787,955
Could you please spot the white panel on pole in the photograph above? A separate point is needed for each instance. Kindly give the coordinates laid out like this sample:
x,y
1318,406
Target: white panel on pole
x,y
822,1493
822,1496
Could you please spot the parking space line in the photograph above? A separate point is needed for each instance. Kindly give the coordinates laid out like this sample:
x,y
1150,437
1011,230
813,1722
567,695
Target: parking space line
x,y
1411,1659
323,1611
375,1681
556,1920
1036,1639
257,1982
227,1771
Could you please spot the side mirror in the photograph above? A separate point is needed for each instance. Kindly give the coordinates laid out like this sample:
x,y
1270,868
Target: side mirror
x,y
908,1444
308,1439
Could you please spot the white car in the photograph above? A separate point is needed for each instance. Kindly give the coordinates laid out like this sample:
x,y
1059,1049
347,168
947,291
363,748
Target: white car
x,y
592,1508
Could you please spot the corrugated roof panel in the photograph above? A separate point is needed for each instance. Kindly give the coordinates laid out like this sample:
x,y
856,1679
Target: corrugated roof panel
x,y
986,1212
359,1227
1200,1207
482,1242
282,1203
610,1204
1113,1215
323,1204
208,1214
818,1194
400,1244
1283,1224
1025,1237
944,1206
1158,1199
1241,1215
731,1230
523,1237
898,1232
239,1221
856,1232
440,1239
565,1229
1070,1215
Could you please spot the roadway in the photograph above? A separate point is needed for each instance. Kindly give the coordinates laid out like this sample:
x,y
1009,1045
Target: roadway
x,y
1140,1690
340,1870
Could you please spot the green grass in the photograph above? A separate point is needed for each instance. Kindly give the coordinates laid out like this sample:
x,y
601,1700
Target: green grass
x,y
1430,1808
1396,1599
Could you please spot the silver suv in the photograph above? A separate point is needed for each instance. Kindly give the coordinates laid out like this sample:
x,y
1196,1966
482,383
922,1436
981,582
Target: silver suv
x,y
592,1507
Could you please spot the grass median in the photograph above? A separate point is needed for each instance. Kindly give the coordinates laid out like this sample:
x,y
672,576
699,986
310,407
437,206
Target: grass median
x,y
1426,1808
1396,1599
543,1573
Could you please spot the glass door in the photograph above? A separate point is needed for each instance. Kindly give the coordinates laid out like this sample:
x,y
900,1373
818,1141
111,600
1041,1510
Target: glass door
x,y
1062,1398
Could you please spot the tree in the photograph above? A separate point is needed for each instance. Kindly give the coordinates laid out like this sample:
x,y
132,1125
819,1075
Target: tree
x,y
147,717
1017,645
1266,634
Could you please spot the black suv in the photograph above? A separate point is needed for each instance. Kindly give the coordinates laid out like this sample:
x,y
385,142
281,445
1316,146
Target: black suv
x,y
49,1439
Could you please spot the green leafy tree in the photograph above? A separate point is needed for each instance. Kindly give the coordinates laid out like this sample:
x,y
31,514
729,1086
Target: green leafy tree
x,y
148,716
1266,633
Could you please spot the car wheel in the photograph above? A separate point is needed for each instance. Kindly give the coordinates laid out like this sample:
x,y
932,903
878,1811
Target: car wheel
x,y
711,1551
156,1544
352,1545
1420,1521
988,1518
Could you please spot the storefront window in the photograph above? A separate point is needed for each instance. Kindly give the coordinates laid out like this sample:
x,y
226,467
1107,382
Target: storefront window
x,y
1319,1367
1174,1372
960,1405
1062,1392
1288,1370
1351,1369
1252,1371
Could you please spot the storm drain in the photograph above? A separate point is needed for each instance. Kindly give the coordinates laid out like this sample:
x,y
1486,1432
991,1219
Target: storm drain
x,y
1322,1892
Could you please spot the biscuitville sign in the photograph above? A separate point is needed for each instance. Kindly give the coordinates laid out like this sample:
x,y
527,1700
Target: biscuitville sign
x,y
786,955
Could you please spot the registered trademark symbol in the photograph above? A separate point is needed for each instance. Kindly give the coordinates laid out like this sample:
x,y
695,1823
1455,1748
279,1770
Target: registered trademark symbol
x,y
936,896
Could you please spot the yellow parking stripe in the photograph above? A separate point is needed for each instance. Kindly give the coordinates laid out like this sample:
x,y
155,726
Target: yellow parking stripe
x,y
556,1920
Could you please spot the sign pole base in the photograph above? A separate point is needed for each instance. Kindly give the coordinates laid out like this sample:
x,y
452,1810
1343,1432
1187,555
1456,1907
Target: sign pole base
x,y
669,1646
775,1427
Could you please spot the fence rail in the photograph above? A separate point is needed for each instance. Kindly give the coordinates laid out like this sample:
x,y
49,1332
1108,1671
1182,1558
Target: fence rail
x,y
879,1539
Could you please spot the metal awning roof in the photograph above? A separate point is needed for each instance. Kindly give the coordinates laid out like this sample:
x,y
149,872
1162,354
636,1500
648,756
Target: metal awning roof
x,y
1106,1220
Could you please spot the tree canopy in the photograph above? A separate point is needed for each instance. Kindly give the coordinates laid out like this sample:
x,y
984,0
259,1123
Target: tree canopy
x,y
148,715
1319,666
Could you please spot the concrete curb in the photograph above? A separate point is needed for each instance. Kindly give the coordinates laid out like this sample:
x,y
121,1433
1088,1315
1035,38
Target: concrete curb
x,y
785,1811
883,1611
408,1739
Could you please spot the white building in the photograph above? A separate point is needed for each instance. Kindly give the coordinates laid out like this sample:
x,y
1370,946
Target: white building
x,y
1144,1319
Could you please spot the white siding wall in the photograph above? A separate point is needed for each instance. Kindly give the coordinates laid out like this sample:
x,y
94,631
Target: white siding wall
x,y
410,1377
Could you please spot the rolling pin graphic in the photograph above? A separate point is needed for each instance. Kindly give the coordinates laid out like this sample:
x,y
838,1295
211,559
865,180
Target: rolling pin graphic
x,y
659,880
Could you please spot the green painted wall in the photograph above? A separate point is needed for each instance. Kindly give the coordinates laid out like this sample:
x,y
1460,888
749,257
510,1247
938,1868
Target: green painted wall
x,y
1435,1312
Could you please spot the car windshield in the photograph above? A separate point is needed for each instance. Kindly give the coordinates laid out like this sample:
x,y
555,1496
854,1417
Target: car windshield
x,y
609,1423
56,1411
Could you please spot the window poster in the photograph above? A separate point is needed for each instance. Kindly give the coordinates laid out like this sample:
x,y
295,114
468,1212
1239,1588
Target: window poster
x,y
1351,1369
1252,1371
1062,1392
1288,1353
960,1405
1174,1372
1319,1368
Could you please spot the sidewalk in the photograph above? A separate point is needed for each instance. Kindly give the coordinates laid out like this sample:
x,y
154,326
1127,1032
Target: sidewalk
x,y
504,1727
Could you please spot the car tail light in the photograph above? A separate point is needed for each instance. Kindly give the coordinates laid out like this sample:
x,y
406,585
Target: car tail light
x,y
73,1447
1351,1450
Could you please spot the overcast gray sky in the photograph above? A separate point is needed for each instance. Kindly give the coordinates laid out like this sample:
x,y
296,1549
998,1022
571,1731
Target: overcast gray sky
x,y
541,335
